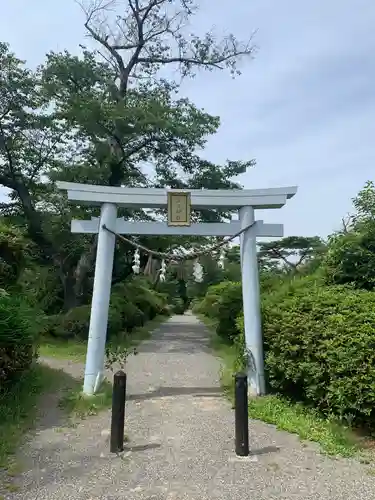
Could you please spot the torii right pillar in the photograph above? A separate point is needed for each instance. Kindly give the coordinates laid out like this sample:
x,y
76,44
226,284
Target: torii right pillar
x,y
251,304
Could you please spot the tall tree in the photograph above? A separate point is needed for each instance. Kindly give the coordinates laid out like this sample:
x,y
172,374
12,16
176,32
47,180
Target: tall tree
x,y
290,253
33,145
126,116
28,142
127,109
104,117
351,253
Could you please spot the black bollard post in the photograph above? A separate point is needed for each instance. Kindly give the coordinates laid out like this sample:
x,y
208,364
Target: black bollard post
x,y
118,412
241,415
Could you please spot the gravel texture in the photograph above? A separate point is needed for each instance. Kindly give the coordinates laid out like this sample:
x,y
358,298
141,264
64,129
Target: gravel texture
x,y
181,441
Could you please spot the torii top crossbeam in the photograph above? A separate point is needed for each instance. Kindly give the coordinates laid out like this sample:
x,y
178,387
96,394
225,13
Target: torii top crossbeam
x,y
91,194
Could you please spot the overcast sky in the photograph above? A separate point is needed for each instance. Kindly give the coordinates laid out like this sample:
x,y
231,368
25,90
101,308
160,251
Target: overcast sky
x,y
304,108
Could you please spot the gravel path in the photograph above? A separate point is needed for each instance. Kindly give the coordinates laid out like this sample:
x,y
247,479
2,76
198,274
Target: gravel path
x,y
181,441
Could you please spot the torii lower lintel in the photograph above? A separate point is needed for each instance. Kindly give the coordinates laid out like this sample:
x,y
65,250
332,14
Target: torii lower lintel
x,y
261,229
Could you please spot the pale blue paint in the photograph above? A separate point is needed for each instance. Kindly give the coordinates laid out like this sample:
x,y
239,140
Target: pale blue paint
x,y
94,370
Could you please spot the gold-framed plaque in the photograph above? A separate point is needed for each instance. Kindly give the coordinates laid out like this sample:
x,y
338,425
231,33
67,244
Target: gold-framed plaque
x,y
179,207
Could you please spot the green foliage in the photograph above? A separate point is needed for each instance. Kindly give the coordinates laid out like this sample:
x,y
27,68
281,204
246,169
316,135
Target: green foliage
x,y
178,306
149,301
132,304
364,204
13,247
319,344
351,259
310,425
224,303
19,328
124,315
213,274
75,323
290,254
175,288
351,253
81,118
41,287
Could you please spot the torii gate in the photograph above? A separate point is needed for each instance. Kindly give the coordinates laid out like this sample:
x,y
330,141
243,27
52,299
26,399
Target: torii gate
x,y
110,198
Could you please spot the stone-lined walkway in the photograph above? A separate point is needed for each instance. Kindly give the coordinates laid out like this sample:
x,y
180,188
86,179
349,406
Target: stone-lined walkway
x,y
181,437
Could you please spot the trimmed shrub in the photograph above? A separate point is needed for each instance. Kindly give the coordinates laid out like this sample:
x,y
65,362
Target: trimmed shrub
x,y
18,337
320,347
319,342
131,305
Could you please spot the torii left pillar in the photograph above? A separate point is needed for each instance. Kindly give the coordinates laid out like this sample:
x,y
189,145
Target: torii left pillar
x,y
94,371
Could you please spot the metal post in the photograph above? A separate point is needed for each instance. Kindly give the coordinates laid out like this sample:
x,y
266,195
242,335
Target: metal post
x,y
251,302
118,412
241,415
100,300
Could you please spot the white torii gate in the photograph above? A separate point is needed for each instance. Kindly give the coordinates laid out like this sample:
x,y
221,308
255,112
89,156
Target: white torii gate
x,y
110,198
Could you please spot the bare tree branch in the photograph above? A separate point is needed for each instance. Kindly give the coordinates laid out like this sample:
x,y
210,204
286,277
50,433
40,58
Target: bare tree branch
x,y
150,34
346,223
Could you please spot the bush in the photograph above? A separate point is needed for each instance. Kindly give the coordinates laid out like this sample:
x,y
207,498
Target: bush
x,y
319,341
223,302
13,252
18,337
178,306
131,305
75,323
127,317
149,301
319,345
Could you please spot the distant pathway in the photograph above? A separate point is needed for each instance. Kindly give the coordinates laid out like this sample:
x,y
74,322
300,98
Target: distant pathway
x,y
181,438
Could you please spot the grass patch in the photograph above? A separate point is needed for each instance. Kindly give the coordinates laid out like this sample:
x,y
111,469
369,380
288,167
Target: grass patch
x,y
334,438
19,406
78,405
75,349
72,349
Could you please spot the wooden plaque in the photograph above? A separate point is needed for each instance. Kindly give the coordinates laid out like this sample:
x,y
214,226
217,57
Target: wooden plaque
x,y
179,203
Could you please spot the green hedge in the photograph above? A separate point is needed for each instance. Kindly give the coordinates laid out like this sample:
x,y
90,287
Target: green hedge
x,y
19,328
132,304
319,342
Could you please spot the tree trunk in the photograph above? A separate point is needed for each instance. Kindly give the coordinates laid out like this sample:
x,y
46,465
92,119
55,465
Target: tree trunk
x,y
76,283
